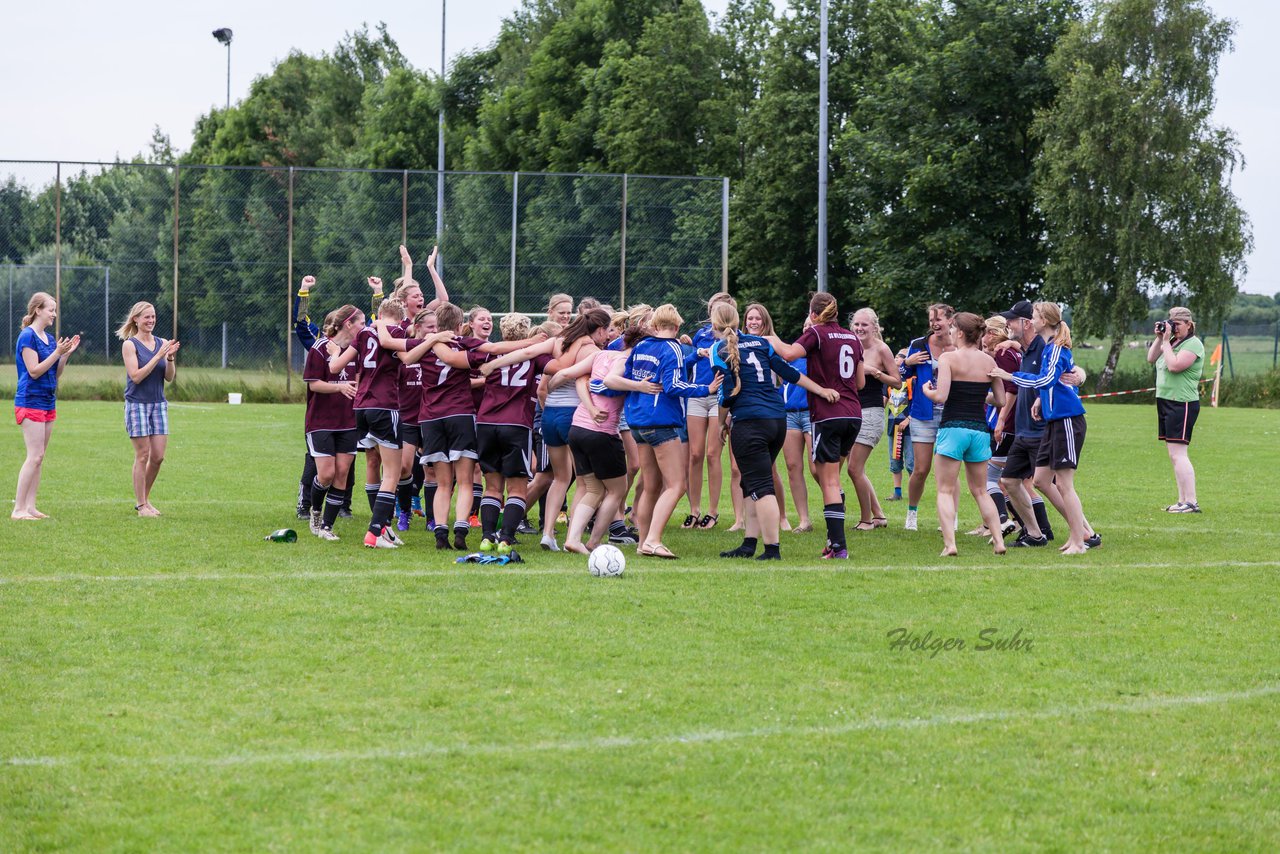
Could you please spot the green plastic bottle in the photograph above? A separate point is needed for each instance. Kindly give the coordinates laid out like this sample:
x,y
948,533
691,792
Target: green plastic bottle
x,y
284,535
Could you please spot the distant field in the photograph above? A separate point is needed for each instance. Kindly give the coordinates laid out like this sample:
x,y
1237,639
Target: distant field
x,y
1250,355
106,382
178,684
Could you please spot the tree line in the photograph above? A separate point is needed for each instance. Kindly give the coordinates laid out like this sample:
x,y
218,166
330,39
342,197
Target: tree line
x,y
981,150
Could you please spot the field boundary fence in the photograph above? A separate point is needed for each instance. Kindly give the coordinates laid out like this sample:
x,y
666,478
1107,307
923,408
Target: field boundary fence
x,y
220,250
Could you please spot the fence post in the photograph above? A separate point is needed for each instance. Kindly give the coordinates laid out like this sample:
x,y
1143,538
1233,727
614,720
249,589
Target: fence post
x,y
1275,347
1226,351
57,249
622,273
724,237
515,222
288,298
106,314
176,201
224,345
404,209
9,316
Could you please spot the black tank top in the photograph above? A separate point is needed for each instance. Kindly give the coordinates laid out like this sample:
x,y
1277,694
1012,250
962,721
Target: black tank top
x,y
966,405
872,392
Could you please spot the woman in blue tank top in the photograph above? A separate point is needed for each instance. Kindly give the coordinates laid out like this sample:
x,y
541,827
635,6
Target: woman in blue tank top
x,y
149,363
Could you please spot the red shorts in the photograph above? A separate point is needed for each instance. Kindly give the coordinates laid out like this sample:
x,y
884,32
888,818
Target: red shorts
x,y
40,416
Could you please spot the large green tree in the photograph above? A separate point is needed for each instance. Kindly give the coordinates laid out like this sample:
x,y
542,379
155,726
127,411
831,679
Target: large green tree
x,y
1134,178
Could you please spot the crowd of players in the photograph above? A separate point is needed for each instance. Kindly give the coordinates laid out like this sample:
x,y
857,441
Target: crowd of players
x,y
605,404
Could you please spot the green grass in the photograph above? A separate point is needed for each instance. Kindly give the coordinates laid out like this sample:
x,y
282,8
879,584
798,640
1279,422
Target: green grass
x,y
198,385
178,684
1249,355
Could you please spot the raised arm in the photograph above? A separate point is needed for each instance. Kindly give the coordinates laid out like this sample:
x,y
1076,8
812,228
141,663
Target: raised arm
x,y
375,285
442,295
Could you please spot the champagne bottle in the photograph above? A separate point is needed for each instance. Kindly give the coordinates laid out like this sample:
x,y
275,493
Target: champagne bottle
x,y
284,535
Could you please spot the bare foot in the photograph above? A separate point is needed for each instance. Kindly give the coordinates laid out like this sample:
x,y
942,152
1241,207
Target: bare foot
x,y
39,515
1075,550
145,510
152,508
577,548
785,525
1000,549
736,527
23,517
949,553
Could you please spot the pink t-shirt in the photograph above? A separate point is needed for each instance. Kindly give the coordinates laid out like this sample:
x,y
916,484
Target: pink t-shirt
x,y
611,404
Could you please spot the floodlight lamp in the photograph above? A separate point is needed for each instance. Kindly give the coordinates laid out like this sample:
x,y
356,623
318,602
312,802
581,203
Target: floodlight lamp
x,y
223,35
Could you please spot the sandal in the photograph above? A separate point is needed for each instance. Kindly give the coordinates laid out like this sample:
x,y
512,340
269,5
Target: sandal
x,y
1183,507
803,529
689,521
709,520
871,526
658,551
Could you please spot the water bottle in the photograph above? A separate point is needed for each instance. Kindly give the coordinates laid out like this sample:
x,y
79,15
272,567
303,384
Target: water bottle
x,y
284,535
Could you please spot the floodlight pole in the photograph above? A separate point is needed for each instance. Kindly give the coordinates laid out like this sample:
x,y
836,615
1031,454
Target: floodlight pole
x,y
440,141
223,35
822,147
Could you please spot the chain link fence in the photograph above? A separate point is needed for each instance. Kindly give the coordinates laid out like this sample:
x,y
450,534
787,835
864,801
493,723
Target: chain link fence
x,y
220,250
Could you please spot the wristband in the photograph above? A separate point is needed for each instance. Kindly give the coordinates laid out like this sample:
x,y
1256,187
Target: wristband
x,y
378,295
304,294
171,358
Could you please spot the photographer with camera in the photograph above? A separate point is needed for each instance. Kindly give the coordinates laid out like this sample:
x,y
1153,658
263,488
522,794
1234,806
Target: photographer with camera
x,y
1179,359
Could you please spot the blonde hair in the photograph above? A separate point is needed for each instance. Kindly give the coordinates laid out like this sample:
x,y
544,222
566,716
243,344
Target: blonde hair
x,y
823,308
875,321
996,323
449,316
1051,314
766,327
36,303
724,321
665,316
618,320
557,299
403,286
468,328
515,327
129,328
550,327
423,315
391,309
587,303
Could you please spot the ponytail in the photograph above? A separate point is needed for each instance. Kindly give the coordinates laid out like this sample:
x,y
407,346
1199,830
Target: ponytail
x,y
724,321
36,303
130,327
823,307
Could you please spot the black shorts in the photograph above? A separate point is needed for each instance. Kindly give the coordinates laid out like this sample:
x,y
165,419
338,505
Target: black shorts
x,y
1006,442
756,444
1177,418
505,449
410,434
380,425
832,439
1063,440
1020,462
329,443
447,440
596,453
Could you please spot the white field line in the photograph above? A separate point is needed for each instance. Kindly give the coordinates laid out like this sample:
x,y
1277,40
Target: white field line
x,y
479,571
623,742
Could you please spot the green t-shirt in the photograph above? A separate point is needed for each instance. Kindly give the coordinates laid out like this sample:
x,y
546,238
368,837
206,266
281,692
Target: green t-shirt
x,y
1184,386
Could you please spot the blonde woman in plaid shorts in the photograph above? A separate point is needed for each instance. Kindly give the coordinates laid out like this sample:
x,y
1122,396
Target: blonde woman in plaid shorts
x,y
149,363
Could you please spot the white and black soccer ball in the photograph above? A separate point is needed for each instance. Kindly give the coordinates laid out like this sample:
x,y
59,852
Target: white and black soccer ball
x,y
606,560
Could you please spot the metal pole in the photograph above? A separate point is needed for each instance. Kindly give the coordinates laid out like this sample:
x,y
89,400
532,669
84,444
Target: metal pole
x,y
404,208
288,294
106,315
228,74
224,345
515,202
9,316
176,201
724,237
57,249
622,275
822,148
440,148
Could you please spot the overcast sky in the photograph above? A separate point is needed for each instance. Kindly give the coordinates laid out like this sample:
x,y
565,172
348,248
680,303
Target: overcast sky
x,y
89,80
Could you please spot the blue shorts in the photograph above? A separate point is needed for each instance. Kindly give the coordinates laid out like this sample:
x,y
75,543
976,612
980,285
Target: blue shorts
x,y
556,421
655,436
961,443
146,419
798,419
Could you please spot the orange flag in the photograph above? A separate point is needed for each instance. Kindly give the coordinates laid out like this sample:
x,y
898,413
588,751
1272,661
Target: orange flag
x,y
1217,354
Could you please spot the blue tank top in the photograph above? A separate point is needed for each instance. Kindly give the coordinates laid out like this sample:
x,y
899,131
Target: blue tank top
x,y
150,390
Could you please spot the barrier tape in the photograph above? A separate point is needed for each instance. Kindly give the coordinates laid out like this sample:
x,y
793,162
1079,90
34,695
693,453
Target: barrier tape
x,y
1130,391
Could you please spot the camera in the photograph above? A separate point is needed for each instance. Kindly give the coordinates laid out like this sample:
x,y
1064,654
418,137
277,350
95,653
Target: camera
x,y
1161,326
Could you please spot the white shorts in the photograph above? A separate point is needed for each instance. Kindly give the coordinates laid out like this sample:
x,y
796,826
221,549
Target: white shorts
x,y
704,407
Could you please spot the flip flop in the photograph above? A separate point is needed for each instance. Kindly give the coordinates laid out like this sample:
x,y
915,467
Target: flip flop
x,y
802,529
659,550
871,526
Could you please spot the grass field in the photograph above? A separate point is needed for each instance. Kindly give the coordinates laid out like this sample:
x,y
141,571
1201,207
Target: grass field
x,y
178,684
1249,355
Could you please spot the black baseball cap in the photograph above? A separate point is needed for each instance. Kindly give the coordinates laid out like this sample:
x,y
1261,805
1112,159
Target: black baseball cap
x,y
1021,308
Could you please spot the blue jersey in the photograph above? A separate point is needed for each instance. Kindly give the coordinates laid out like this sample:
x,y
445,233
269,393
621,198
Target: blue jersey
x,y
703,339
1057,400
1023,423
921,406
42,392
794,397
659,360
758,397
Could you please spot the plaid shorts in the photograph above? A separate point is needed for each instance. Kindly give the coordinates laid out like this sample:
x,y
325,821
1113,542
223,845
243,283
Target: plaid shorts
x,y
146,419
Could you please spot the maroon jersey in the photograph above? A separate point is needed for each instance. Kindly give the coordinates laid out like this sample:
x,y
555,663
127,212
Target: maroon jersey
x,y
1009,359
379,385
833,353
410,387
511,392
331,411
446,391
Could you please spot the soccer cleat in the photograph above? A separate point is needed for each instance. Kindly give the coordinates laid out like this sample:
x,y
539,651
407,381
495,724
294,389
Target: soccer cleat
x,y
549,544
910,523
474,521
623,539
391,536
375,541
525,528
344,513
488,544
317,521
431,524
1008,527
836,554
1028,541
1094,541
503,547
304,510
402,521
416,506
327,534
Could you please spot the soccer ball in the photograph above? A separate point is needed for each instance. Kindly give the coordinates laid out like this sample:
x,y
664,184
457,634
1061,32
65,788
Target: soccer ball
x,y
606,560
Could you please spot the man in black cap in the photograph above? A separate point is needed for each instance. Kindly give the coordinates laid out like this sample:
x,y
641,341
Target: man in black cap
x,y
1019,467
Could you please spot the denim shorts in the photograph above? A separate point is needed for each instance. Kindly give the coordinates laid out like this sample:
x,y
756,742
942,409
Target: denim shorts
x,y
926,432
798,419
655,436
556,421
961,443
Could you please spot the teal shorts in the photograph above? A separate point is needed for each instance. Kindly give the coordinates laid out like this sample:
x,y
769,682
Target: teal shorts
x,y
961,443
